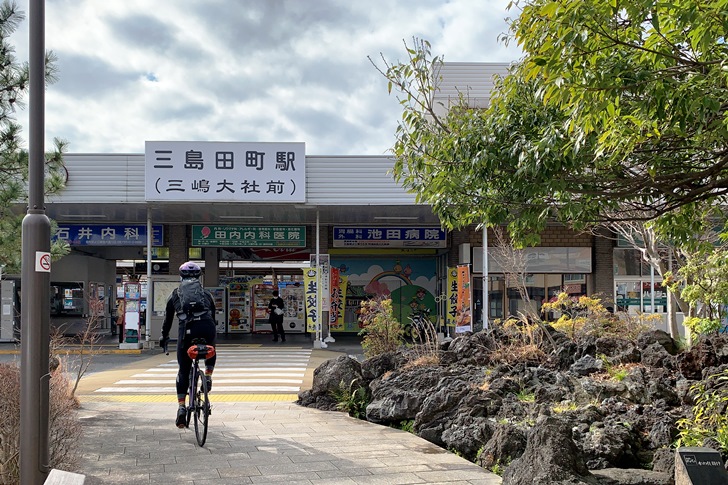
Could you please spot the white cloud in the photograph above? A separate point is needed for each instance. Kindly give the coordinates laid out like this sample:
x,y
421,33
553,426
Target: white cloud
x,y
245,70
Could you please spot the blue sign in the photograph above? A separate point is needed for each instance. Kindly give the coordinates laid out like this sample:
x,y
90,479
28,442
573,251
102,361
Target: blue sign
x,y
392,237
108,234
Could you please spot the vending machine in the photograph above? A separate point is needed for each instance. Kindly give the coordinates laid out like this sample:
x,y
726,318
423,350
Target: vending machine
x,y
132,311
262,295
238,308
294,318
218,294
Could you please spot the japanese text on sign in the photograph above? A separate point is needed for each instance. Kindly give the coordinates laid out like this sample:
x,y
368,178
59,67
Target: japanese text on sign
x,y
399,237
225,171
108,234
249,236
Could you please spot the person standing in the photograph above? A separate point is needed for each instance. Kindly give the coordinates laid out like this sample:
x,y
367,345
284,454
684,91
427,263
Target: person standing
x,y
195,309
120,319
276,308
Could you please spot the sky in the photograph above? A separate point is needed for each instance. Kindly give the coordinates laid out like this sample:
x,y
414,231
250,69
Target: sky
x,y
131,71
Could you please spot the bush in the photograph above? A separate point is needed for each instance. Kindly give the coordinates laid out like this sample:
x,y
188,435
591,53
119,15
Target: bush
x,y
381,330
64,426
709,420
352,399
583,317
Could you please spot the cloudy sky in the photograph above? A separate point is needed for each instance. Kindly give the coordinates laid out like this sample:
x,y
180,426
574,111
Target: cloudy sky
x,y
245,70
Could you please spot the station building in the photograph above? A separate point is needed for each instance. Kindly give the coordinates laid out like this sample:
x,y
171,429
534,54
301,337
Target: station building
x,y
257,215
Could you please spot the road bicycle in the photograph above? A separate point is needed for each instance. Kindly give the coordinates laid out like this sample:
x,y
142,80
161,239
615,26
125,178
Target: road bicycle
x,y
198,401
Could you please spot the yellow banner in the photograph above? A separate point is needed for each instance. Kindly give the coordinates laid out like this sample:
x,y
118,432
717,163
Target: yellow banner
x,y
338,300
309,278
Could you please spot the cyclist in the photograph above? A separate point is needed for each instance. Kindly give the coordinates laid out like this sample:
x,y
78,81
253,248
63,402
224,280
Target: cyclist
x,y
200,324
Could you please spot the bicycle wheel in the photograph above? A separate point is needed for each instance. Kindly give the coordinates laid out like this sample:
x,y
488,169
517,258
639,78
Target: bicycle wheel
x,y
201,410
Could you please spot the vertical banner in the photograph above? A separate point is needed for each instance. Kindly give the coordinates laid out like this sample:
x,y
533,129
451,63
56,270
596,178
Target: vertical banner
x,y
343,283
337,306
324,263
463,320
452,296
309,279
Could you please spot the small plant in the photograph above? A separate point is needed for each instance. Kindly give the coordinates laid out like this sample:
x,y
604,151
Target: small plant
x,y
352,399
522,343
407,425
709,419
564,407
498,468
616,372
382,332
422,361
525,396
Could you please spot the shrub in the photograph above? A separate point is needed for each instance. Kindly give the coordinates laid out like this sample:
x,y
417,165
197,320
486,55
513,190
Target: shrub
x,y
64,431
584,316
709,419
352,399
522,342
381,330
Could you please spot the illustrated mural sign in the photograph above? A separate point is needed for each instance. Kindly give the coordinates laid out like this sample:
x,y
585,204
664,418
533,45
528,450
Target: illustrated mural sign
x,y
411,283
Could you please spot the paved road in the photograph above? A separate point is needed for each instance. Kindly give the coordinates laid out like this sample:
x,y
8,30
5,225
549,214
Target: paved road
x,y
257,433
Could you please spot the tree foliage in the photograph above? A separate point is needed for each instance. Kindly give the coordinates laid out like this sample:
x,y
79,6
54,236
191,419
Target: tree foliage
x,y
13,158
616,112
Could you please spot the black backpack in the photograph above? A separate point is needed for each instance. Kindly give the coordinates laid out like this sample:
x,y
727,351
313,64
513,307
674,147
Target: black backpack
x,y
192,299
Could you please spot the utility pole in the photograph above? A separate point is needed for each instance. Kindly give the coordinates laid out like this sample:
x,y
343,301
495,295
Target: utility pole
x,y
35,274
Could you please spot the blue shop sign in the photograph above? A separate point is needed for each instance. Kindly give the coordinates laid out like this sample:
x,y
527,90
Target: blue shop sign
x,y
392,237
108,234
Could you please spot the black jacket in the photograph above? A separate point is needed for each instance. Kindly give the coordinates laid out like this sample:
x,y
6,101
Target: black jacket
x,y
276,302
174,307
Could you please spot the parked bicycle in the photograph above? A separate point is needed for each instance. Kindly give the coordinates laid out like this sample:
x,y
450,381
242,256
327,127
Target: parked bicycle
x,y
198,401
420,327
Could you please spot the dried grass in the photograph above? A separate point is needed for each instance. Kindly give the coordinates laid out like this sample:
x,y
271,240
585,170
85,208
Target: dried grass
x,y
64,427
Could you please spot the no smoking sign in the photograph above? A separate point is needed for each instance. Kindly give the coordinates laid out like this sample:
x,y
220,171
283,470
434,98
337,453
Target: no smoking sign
x,y
42,262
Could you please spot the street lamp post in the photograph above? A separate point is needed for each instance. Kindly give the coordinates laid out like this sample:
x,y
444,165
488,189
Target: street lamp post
x,y
35,274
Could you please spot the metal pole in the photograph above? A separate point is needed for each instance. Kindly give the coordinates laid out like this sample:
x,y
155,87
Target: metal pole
x,y
148,312
485,277
35,274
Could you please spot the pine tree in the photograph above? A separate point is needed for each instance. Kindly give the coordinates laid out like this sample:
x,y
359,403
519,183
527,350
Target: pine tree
x,y
13,157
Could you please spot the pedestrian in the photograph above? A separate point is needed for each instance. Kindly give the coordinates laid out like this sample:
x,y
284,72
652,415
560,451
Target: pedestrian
x,y
120,314
195,309
276,308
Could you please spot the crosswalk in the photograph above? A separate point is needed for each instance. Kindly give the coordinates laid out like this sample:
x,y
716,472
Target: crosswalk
x,y
237,371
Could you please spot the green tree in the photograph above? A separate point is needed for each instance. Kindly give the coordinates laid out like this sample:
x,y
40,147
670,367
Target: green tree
x,y
615,113
13,158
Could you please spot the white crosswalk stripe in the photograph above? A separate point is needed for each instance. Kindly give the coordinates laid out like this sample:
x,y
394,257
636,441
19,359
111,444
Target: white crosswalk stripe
x,y
238,370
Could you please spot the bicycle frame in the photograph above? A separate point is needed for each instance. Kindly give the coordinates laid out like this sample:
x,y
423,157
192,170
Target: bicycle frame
x,y
198,404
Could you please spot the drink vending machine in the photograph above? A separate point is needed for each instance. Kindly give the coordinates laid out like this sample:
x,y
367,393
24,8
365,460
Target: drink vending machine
x,y
294,319
218,294
262,295
238,308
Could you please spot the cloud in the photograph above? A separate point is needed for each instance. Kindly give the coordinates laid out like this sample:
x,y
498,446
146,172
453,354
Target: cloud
x,y
249,70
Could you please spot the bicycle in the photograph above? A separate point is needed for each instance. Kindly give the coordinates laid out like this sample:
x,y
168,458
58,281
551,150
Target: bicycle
x,y
198,401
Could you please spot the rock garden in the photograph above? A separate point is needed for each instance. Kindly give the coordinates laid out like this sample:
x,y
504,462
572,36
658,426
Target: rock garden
x,y
578,401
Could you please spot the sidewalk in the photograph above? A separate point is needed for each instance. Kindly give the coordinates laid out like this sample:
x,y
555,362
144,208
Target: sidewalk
x,y
266,442
133,442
